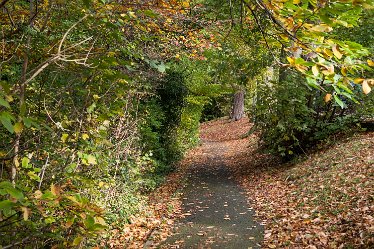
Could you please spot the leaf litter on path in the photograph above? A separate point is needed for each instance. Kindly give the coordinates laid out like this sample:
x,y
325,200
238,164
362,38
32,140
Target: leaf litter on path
x,y
322,201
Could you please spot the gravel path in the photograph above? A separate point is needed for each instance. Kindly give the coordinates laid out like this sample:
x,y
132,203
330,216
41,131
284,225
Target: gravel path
x,y
217,214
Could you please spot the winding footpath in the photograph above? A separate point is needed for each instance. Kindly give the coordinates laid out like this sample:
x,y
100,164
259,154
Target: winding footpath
x,y
216,211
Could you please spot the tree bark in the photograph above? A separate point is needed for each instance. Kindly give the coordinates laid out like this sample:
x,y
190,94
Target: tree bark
x,y
238,106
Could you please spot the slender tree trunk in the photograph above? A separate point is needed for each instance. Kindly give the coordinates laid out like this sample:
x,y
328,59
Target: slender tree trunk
x,y
238,106
22,102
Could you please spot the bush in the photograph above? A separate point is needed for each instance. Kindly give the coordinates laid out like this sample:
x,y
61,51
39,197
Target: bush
x,y
292,117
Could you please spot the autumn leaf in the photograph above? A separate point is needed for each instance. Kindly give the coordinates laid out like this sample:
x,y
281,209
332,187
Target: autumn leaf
x,y
315,70
26,213
336,52
328,97
91,159
322,28
18,128
291,60
344,71
55,190
328,52
365,87
85,136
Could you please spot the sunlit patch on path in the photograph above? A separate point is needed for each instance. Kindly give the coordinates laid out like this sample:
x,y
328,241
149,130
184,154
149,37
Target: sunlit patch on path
x,y
216,211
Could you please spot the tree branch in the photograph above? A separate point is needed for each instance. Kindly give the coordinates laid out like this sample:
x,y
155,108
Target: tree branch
x,y
2,4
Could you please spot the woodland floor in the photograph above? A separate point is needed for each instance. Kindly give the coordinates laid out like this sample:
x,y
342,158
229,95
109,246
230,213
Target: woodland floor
x,y
323,200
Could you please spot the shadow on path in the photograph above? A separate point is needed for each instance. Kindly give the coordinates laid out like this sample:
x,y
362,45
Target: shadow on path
x,y
216,212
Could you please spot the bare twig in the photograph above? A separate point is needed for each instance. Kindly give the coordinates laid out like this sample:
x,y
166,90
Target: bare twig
x,y
43,171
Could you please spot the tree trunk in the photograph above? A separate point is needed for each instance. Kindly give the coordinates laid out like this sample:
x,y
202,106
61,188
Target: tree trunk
x,y
238,106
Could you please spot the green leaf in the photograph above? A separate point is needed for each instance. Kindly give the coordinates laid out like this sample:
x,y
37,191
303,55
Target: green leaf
x,y
89,222
25,163
4,103
15,193
150,13
161,68
5,185
77,241
7,123
6,204
345,88
11,190
313,83
91,108
33,176
27,122
48,195
338,101
49,220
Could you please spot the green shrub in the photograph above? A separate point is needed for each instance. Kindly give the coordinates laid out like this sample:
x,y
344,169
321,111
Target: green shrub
x,y
292,117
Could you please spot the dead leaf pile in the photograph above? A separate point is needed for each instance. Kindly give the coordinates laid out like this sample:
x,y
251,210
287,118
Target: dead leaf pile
x,y
323,201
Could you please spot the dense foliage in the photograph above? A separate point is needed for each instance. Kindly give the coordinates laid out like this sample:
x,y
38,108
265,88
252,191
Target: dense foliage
x,y
91,117
295,114
99,98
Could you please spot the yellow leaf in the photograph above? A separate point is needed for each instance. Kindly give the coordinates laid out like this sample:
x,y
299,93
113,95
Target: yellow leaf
x,y
365,87
100,220
328,52
18,128
336,52
85,136
101,184
344,71
301,68
132,14
358,80
328,97
77,241
9,98
315,70
321,28
296,1
16,162
26,213
64,137
329,70
91,159
55,190
370,63
291,60
185,4
38,194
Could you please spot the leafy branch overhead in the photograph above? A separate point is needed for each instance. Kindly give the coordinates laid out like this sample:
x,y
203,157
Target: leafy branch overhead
x,y
306,30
